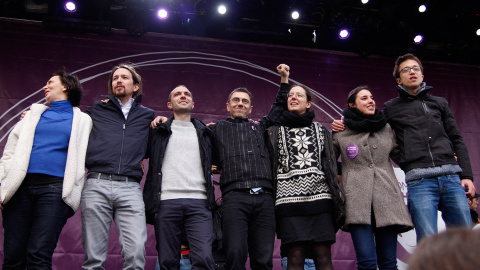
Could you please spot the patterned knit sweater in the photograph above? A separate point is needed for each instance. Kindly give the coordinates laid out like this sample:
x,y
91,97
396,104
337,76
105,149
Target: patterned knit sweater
x,y
301,185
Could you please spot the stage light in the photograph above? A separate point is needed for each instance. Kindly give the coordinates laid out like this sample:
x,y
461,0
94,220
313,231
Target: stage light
x,y
295,15
344,34
222,9
364,1
70,6
478,32
422,8
418,39
162,14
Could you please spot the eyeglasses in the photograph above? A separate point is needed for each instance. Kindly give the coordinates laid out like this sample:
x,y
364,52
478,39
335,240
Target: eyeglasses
x,y
297,95
407,69
238,100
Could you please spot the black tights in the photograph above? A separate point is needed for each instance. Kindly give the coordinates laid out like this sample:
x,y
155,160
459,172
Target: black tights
x,y
322,256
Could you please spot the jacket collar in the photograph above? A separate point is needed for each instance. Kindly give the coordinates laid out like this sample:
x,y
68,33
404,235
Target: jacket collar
x,y
237,120
137,99
199,125
403,92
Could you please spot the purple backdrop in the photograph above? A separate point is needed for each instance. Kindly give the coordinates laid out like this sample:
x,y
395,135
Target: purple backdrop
x,y
210,69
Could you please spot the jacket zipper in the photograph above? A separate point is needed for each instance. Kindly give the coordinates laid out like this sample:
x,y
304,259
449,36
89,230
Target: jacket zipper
x,y
427,112
121,149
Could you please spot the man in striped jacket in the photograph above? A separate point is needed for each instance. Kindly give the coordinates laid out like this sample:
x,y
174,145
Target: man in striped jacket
x,y
246,180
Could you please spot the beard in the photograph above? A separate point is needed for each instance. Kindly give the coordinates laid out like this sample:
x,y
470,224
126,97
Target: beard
x,y
240,114
179,109
119,95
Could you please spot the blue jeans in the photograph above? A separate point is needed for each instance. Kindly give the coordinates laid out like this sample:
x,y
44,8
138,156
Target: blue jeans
x,y
374,246
184,264
309,264
33,220
428,195
248,229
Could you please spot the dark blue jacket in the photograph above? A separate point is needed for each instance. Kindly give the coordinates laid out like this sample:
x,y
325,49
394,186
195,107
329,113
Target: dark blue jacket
x,y
157,147
116,145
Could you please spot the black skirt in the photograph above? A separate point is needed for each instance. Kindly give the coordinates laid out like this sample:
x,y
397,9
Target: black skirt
x,y
316,228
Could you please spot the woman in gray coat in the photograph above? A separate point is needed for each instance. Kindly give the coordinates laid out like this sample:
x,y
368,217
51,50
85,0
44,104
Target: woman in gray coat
x,y
375,207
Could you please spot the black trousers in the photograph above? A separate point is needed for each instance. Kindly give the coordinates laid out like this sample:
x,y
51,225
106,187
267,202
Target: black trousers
x,y
175,215
248,229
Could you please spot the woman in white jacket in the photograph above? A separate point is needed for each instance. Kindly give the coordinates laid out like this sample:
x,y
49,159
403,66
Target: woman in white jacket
x,y
42,174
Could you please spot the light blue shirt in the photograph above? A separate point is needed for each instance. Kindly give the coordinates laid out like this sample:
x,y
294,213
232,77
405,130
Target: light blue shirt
x,y
126,108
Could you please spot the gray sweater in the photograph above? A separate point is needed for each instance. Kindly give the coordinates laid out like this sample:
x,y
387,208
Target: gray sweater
x,y
182,168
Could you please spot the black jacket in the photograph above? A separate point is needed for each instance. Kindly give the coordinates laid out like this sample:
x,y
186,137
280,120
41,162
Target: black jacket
x,y
116,145
329,167
157,147
426,131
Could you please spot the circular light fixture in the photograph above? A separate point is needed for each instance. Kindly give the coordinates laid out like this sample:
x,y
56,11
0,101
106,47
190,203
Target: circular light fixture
x,y
418,39
222,9
162,14
295,15
478,32
364,1
70,6
422,8
344,34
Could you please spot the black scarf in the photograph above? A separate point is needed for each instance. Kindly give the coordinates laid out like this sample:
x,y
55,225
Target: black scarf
x,y
295,120
358,121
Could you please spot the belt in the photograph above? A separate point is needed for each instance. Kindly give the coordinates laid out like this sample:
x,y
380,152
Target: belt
x,y
185,256
112,177
251,191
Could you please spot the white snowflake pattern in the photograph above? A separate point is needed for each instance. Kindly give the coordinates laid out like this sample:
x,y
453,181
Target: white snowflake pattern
x,y
301,141
304,158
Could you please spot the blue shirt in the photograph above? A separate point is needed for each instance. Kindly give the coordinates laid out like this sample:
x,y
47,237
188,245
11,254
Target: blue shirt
x,y
50,144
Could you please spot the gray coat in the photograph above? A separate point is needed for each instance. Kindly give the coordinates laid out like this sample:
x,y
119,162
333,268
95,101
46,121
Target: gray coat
x,y
369,181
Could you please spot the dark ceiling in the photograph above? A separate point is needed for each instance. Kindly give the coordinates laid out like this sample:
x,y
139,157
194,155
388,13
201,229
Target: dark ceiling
x,y
380,27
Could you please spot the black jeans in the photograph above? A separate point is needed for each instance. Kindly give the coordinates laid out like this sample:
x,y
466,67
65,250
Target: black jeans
x,y
33,220
248,229
193,216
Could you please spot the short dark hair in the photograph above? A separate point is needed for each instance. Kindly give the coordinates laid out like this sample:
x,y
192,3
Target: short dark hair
x,y
73,85
403,58
241,89
308,93
352,96
137,79
180,85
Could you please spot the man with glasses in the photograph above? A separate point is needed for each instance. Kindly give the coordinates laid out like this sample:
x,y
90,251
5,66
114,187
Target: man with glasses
x,y
429,139
246,180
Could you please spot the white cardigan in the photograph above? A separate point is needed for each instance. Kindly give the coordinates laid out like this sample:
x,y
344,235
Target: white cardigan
x,y
16,156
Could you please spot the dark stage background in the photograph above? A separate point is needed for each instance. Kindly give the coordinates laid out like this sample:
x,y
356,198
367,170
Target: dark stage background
x,y
210,69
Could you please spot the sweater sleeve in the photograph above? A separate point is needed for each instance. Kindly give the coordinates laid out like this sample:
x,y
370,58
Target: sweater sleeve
x,y
9,151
